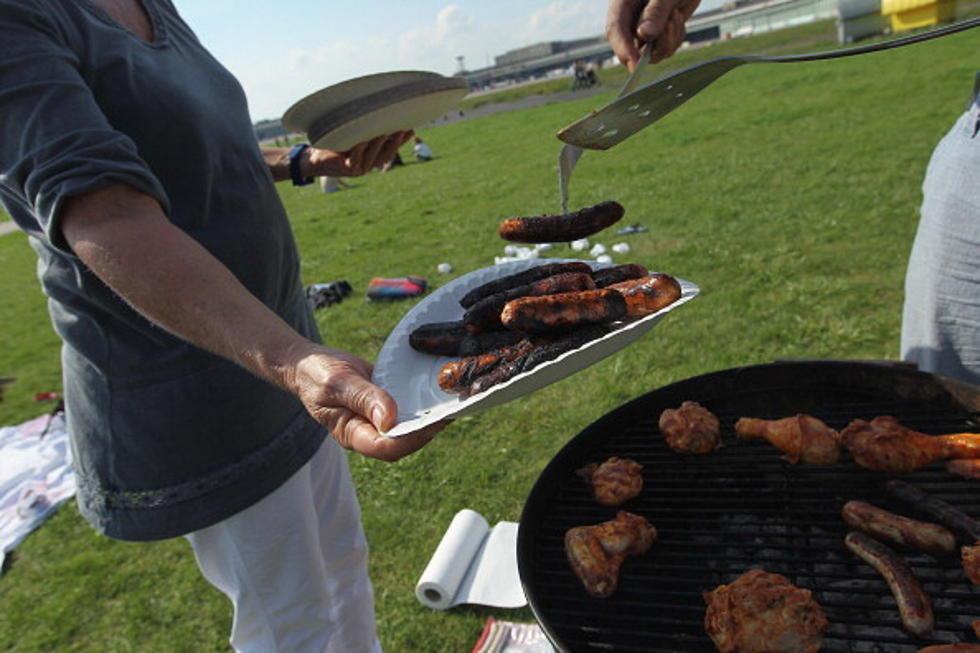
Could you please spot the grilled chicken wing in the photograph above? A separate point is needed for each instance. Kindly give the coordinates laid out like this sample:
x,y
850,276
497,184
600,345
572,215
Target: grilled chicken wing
x,y
597,552
802,438
692,428
615,481
763,612
971,563
885,445
965,468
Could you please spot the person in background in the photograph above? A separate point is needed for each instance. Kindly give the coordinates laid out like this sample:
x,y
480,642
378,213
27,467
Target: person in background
x,y
940,329
941,314
200,401
422,151
329,184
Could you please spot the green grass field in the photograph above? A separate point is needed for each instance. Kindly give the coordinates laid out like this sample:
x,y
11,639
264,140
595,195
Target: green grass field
x,y
789,193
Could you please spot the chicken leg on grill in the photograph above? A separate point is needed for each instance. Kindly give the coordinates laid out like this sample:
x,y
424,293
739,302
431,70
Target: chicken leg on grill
x,y
970,555
883,444
965,467
802,438
597,552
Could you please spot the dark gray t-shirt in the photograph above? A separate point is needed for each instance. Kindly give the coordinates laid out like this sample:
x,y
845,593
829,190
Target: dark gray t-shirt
x,y
166,438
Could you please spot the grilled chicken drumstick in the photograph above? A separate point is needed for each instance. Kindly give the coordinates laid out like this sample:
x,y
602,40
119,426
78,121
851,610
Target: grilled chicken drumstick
x,y
965,467
691,428
761,612
885,445
971,563
597,552
802,438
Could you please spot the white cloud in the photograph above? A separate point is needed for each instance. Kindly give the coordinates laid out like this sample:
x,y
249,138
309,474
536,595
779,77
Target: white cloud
x,y
565,20
273,84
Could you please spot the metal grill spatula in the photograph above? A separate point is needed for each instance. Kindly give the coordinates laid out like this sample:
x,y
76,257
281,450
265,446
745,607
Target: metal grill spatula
x,y
631,112
569,155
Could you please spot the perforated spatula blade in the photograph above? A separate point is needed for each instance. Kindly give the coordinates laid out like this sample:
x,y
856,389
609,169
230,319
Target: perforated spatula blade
x,y
569,155
629,113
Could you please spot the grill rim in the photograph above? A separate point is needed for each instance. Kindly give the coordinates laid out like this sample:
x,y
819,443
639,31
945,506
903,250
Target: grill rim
x,y
960,401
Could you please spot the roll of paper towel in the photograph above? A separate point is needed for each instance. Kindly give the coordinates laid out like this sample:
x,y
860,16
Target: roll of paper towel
x,y
473,564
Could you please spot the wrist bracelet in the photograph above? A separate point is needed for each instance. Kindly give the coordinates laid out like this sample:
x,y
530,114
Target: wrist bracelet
x,y
295,152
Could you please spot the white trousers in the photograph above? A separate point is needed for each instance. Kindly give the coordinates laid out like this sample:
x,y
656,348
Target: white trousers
x,y
295,565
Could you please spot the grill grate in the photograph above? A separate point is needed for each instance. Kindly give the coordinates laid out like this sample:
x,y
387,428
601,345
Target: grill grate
x,y
741,507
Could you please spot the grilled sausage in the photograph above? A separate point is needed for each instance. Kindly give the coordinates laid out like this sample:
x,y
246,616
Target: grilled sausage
x,y
879,523
485,314
541,353
648,294
914,605
520,279
456,376
562,228
618,273
937,508
563,311
962,647
474,344
439,338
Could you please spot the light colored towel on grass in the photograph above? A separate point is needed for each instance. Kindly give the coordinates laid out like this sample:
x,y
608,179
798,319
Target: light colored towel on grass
x,y
35,476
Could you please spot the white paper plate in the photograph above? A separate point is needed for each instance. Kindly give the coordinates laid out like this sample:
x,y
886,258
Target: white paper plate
x,y
339,117
411,376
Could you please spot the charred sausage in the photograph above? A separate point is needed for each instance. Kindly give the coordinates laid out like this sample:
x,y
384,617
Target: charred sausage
x,y
541,353
562,228
563,311
648,294
474,344
937,508
485,314
439,338
618,273
879,523
521,279
914,605
456,376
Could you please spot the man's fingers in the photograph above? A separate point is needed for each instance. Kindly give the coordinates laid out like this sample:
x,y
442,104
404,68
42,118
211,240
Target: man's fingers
x,y
355,160
653,20
390,147
664,46
353,432
373,150
619,30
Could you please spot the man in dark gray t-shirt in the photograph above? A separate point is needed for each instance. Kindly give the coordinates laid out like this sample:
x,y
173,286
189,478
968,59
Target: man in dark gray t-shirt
x,y
196,388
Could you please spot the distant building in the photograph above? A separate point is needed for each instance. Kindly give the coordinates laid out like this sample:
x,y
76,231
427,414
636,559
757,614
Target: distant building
x,y
266,130
542,50
732,20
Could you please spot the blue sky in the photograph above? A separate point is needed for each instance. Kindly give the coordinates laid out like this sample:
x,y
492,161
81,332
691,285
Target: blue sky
x,y
283,51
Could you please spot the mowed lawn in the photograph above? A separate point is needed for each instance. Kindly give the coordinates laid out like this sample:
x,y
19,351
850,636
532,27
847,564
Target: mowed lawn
x,y
789,193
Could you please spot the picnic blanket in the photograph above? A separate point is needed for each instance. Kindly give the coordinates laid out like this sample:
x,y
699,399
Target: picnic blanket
x,y
35,476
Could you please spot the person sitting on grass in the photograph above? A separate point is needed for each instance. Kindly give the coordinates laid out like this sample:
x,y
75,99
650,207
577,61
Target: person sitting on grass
x,y
422,151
